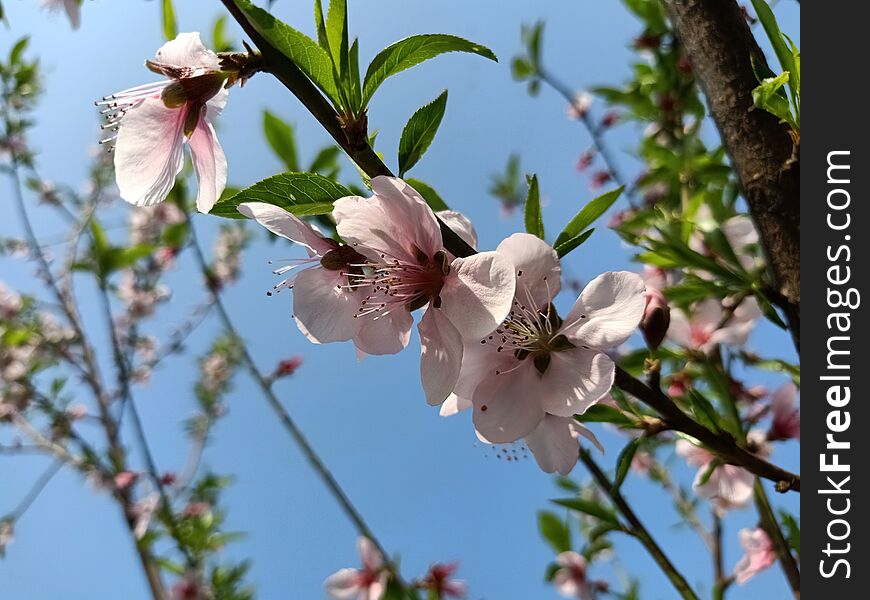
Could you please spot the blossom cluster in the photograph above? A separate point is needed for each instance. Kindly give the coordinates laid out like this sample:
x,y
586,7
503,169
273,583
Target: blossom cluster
x,y
491,338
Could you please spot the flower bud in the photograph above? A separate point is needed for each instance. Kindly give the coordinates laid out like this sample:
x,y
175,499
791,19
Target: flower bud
x,y
656,318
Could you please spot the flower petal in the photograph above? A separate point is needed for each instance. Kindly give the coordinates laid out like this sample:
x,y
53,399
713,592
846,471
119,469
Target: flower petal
x,y
608,310
506,406
460,224
324,311
537,268
287,225
454,405
478,293
210,165
343,584
553,444
74,12
187,50
440,355
384,334
394,223
371,557
574,380
148,152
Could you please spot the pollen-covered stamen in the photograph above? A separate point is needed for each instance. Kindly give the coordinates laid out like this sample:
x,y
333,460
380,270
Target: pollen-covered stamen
x,y
397,283
530,332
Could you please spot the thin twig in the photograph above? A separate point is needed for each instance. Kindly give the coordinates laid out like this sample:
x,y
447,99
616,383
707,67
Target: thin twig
x,y
35,490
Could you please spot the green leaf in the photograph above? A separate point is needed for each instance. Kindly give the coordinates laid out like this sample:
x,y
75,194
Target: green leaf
x,y
319,22
767,96
326,161
601,413
533,219
587,215
336,34
219,37
771,28
554,531
704,411
170,30
313,60
419,132
411,51
432,198
793,530
588,507
567,246
623,463
282,140
303,194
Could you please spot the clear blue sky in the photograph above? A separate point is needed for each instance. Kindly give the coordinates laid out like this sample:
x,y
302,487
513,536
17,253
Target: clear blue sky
x,y
428,489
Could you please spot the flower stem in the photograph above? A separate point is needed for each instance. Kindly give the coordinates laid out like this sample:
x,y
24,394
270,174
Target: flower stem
x,y
637,528
771,527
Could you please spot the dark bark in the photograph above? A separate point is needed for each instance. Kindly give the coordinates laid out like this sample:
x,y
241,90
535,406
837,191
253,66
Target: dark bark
x,y
719,45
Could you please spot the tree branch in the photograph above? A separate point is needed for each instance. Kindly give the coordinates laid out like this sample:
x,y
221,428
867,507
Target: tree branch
x,y
722,444
719,45
637,528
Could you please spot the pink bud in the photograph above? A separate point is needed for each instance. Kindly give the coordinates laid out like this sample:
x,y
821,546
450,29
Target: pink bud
x,y
585,160
656,318
125,479
610,118
288,366
599,178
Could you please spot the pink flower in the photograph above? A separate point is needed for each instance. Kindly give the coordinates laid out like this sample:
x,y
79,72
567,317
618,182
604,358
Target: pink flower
x,y
325,301
701,331
579,107
10,302
408,268
125,479
760,554
438,581
72,7
786,415
154,121
728,486
535,371
571,579
367,583
191,587
6,536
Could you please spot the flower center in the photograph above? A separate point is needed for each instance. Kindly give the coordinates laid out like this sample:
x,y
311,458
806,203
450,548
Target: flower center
x,y
400,283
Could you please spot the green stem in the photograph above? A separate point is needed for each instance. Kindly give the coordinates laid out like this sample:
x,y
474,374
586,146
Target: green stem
x,y
637,528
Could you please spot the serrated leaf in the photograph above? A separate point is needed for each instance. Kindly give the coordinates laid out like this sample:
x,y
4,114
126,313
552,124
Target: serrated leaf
x,y
588,507
170,30
432,198
623,463
303,194
566,247
411,51
281,139
533,218
588,214
313,60
419,132
554,531
336,33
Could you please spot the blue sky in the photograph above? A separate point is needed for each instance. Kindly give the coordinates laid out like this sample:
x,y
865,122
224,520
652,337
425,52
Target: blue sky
x,y
429,490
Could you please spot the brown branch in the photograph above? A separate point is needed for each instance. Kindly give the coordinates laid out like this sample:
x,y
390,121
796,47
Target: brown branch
x,y
722,444
719,45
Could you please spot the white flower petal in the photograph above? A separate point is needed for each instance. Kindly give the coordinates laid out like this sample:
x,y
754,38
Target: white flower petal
x,y
148,152
460,224
574,380
187,50
324,311
505,409
342,585
210,165
384,334
440,355
608,310
553,444
287,225
537,268
478,293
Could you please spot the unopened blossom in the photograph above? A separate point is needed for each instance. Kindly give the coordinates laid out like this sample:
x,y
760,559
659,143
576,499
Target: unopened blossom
x,y
708,324
6,534
656,318
786,424
228,255
326,296
609,119
140,301
125,479
76,412
728,486
599,178
191,587
71,7
759,554
529,377
571,578
147,223
10,302
439,581
585,160
408,268
366,583
288,366
579,107
154,122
